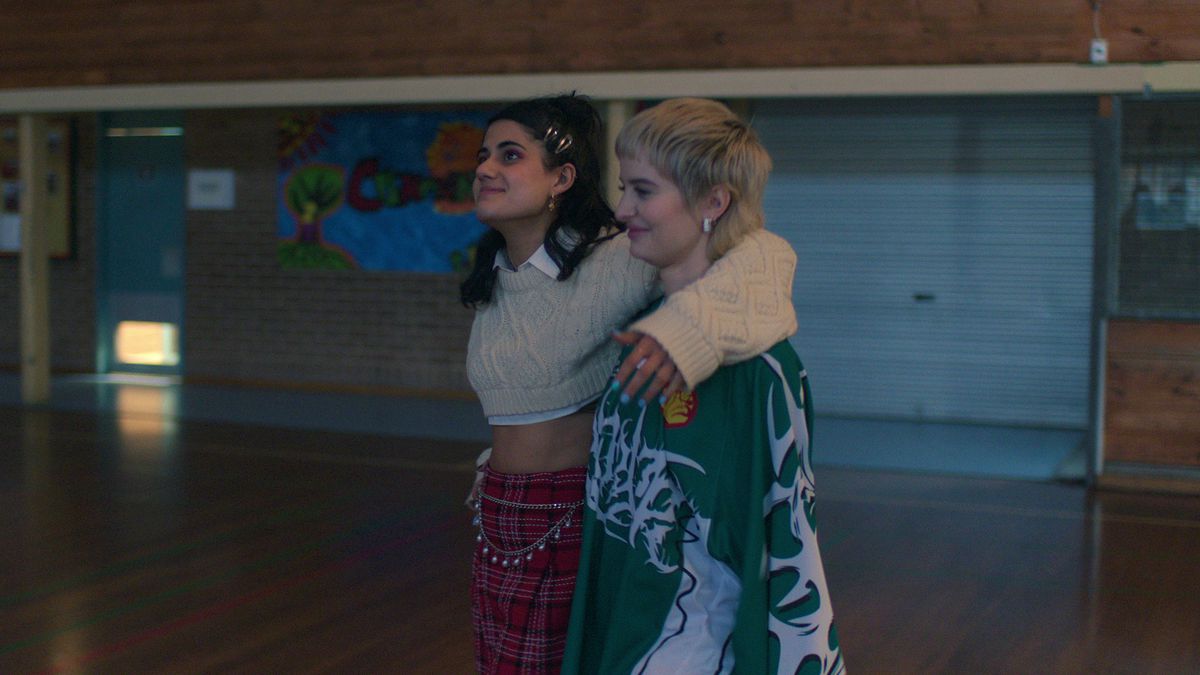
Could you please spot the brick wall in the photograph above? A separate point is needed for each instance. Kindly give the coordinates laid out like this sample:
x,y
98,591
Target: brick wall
x,y
249,320
149,41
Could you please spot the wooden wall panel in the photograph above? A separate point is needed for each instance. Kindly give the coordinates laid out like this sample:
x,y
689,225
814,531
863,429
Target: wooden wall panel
x,y
92,42
1152,393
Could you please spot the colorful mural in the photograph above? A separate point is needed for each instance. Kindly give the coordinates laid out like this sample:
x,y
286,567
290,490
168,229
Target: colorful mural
x,y
378,190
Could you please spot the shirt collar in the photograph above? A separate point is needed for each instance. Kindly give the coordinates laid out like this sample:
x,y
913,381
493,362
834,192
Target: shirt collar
x,y
540,260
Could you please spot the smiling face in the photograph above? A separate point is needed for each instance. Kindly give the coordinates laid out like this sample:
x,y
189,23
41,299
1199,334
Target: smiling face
x,y
512,185
664,230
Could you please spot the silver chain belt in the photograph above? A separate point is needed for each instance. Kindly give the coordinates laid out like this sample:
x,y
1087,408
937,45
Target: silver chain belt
x,y
510,558
536,507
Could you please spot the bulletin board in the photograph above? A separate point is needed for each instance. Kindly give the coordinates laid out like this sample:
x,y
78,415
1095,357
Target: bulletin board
x,y
58,179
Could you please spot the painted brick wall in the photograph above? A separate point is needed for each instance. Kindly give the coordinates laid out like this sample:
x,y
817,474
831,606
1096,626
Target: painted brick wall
x,y
249,320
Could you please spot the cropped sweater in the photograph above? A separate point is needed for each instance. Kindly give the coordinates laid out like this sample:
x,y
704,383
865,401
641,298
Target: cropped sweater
x,y
542,344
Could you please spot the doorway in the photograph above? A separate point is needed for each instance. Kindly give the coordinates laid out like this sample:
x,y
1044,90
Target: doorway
x,y
140,257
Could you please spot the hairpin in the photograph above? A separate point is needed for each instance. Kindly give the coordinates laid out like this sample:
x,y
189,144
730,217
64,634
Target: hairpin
x,y
556,140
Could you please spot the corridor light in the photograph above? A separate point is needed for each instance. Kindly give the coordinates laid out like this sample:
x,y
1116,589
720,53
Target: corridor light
x,y
147,343
141,132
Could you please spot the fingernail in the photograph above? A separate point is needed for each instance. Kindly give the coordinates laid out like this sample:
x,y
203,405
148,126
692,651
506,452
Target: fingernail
x,y
641,403
624,397
614,386
662,399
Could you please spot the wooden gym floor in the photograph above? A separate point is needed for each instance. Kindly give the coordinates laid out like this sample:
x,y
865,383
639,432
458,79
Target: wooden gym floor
x,y
140,543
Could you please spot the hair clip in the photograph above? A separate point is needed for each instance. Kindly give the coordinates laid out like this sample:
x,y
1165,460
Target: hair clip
x,y
556,141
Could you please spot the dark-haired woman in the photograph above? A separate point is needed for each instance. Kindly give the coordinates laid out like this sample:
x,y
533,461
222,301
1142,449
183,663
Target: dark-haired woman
x,y
552,279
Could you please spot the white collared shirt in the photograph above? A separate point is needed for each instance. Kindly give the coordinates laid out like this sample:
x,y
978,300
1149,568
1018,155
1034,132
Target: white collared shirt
x,y
540,260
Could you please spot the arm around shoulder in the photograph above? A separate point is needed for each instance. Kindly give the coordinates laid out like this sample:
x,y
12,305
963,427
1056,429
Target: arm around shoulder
x,y
737,310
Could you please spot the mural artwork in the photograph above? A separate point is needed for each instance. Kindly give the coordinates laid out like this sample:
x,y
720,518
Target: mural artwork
x,y
378,190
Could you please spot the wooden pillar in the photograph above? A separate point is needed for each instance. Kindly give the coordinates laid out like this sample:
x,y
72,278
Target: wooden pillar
x,y
35,261
616,113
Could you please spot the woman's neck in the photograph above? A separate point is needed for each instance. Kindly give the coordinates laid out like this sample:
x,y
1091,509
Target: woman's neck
x,y
521,240
675,277
521,248
690,266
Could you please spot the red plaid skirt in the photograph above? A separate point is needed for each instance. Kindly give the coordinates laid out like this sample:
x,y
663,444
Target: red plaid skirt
x,y
520,611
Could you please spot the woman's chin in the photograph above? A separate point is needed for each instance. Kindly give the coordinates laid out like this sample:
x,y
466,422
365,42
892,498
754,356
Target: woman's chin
x,y
644,253
483,215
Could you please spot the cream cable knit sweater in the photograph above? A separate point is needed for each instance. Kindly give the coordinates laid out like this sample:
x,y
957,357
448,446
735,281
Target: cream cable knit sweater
x,y
542,344
739,309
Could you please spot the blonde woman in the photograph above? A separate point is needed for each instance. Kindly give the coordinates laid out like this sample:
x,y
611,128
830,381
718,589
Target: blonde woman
x,y
700,546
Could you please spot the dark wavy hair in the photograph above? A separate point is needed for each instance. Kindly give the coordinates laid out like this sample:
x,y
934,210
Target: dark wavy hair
x,y
571,133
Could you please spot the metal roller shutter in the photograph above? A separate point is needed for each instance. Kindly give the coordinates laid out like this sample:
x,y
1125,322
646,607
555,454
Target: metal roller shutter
x,y
945,254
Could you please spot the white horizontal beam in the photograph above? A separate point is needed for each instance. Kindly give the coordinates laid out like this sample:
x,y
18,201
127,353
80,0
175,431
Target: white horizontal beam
x,y
1173,77
740,83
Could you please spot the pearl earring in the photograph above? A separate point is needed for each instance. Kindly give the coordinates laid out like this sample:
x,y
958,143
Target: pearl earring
x,y
706,226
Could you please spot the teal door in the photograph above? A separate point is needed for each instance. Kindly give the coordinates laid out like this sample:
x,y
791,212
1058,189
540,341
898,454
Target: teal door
x,y
140,256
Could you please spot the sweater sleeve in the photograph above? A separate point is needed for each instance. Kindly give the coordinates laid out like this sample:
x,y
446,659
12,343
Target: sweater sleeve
x,y
737,310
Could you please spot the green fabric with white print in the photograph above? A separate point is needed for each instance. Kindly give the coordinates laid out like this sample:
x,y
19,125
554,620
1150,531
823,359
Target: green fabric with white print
x,y
700,548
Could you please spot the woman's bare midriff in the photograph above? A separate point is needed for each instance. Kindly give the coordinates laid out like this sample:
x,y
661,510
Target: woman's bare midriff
x,y
553,445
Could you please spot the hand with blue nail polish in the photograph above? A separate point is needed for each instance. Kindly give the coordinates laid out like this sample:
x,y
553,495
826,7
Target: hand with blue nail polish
x,y
647,369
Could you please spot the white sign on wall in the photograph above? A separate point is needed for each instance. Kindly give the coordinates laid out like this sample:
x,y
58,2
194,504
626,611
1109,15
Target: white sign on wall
x,y
210,189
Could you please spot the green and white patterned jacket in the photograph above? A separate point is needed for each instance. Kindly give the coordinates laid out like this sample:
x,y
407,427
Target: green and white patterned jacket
x,y
700,542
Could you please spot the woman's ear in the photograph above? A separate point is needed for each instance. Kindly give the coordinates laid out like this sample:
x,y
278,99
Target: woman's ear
x,y
716,203
564,180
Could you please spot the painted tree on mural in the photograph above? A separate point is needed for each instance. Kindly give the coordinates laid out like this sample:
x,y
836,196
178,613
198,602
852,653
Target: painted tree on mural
x,y
311,194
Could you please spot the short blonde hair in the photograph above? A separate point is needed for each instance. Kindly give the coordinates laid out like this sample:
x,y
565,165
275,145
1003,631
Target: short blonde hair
x,y
701,144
